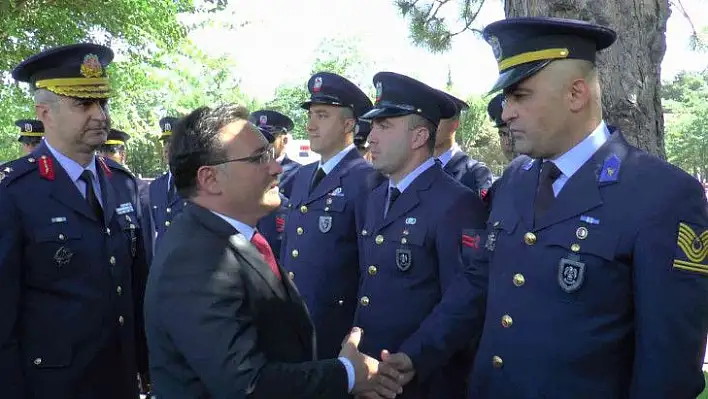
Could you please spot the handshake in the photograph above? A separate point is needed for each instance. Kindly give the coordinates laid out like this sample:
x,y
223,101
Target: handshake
x,y
376,379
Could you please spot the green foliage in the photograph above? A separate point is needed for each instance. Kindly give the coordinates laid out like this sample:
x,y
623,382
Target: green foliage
x,y
686,106
478,136
428,22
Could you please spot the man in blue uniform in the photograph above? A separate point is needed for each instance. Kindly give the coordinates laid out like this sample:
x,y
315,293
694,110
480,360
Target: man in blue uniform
x,y
320,246
410,231
279,126
506,140
114,147
471,173
31,133
164,201
361,135
597,251
72,267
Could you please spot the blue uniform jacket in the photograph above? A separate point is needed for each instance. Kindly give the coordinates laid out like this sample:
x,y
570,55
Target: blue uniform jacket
x,y
272,226
472,174
71,285
409,261
286,178
605,297
164,207
320,246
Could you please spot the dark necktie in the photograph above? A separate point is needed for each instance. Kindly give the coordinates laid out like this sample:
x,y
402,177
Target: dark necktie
x,y
91,198
264,248
319,175
393,194
544,193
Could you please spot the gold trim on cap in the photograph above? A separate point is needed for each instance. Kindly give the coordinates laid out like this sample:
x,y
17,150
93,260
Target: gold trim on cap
x,y
32,134
114,142
531,56
77,87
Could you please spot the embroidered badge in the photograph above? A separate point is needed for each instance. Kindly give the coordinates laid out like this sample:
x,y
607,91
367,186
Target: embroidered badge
x,y
411,221
379,91
28,128
91,67
589,219
571,274
325,224
496,47
317,85
404,259
63,256
471,240
691,248
59,219
125,208
46,167
279,224
491,241
106,170
610,169
263,120
337,192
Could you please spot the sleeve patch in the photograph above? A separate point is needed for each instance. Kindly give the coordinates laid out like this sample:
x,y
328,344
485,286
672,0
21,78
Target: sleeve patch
x,y
691,248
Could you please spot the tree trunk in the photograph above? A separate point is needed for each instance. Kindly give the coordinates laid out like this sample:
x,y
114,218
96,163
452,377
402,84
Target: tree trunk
x,y
630,69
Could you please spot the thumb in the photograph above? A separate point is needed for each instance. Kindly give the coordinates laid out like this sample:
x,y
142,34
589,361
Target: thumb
x,y
355,336
385,355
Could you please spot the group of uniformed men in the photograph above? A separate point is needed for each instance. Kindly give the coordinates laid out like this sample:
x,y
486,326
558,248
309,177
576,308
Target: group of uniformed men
x,y
577,275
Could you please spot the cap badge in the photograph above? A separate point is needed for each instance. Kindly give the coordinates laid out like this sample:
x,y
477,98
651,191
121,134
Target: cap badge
x,y
379,91
28,127
91,67
317,86
263,120
496,47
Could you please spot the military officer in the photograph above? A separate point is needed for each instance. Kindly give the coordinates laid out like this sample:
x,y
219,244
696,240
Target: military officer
x,y
164,201
361,134
279,127
410,233
320,246
114,147
72,267
593,293
31,133
473,174
506,140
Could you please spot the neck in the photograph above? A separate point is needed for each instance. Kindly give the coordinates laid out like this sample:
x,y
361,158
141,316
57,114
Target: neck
x,y
83,158
577,135
413,162
443,145
248,218
324,157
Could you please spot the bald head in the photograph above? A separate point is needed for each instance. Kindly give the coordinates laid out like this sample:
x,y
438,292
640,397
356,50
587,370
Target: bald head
x,y
579,81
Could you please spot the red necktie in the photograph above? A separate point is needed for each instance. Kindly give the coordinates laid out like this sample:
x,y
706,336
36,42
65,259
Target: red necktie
x,y
262,246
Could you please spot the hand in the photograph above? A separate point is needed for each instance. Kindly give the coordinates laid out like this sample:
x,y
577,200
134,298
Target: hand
x,y
401,362
372,377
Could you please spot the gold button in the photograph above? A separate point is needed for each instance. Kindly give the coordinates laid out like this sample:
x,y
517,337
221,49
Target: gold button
x,y
530,238
295,253
364,233
497,362
329,201
167,223
121,320
575,247
108,231
406,232
168,210
112,260
326,209
299,231
507,321
519,280
291,275
373,270
364,301
379,239
119,290
303,209
31,160
404,240
37,361
62,237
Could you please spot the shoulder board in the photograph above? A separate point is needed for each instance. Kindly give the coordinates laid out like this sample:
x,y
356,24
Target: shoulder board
x,y
13,170
110,165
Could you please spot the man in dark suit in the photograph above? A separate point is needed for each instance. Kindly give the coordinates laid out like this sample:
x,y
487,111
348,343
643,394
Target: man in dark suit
x,y
222,319
72,264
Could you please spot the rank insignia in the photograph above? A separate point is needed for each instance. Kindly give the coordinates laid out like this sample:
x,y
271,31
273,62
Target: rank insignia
x,y
692,248
491,241
317,85
46,167
279,224
104,166
571,274
63,256
91,67
325,224
379,91
471,240
403,259
610,169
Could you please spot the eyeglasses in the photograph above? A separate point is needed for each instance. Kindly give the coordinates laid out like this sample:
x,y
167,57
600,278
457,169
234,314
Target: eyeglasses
x,y
262,158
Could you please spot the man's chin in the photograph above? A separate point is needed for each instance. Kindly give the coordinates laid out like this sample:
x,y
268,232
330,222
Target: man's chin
x,y
271,198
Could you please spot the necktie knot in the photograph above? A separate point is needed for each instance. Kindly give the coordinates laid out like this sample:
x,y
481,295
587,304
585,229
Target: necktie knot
x,y
319,175
394,193
549,171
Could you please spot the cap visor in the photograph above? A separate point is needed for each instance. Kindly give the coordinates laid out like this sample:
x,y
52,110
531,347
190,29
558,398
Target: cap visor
x,y
385,112
267,134
516,74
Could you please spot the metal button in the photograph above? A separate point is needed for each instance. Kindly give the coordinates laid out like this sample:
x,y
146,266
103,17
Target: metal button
x,y
496,224
507,321
291,275
406,232
373,270
31,160
329,201
121,320
581,233
303,209
575,247
519,279
37,361
168,210
299,231
530,238
340,302
404,240
497,362
167,223
295,253
364,301
364,233
132,226
119,290
108,231
112,260
379,239
326,209
62,237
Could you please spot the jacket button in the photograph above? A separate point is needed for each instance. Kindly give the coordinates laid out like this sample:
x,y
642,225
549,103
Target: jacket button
x,y
530,238
373,270
299,231
507,321
364,301
497,362
329,201
119,290
37,361
112,260
303,209
108,231
404,240
575,247
364,233
62,237
167,223
168,210
379,239
291,275
121,320
295,253
519,280
340,302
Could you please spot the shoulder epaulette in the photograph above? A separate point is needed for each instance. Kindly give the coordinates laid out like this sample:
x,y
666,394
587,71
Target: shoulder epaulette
x,y
13,170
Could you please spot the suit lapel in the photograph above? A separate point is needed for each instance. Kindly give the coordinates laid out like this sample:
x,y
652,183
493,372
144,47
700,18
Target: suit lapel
x,y
254,259
108,195
333,178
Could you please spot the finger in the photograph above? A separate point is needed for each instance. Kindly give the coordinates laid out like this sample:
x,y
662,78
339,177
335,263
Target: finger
x,y
355,336
385,355
397,360
388,384
385,391
386,370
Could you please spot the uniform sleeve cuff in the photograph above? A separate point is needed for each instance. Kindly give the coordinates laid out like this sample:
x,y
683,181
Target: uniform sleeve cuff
x,y
351,375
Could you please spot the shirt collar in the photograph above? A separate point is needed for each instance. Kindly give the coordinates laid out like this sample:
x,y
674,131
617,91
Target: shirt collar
x,y
246,230
571,161
446,156
73,168
334,161
406,181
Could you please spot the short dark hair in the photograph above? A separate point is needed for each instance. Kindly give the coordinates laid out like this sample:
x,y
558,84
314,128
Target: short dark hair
x,y
416,121
111,148
30,140
195,142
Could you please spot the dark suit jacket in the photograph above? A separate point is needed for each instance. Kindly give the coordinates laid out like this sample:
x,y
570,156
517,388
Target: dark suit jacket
x,y
221,325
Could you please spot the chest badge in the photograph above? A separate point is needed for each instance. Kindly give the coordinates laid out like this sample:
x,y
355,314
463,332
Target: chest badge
x,y
404,259
325,224
63,256
571,274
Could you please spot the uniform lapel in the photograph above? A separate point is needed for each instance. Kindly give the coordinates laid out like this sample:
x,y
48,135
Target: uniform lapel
x,y
333,178
375,210
108,193
409,198
524,189
453,166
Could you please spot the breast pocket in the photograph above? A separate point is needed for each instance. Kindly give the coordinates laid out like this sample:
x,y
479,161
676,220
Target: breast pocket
x,y
409,248
53,253
331,214
500,228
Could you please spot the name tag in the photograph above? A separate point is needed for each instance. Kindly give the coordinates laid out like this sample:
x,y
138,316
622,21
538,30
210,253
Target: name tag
x,y
125,208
